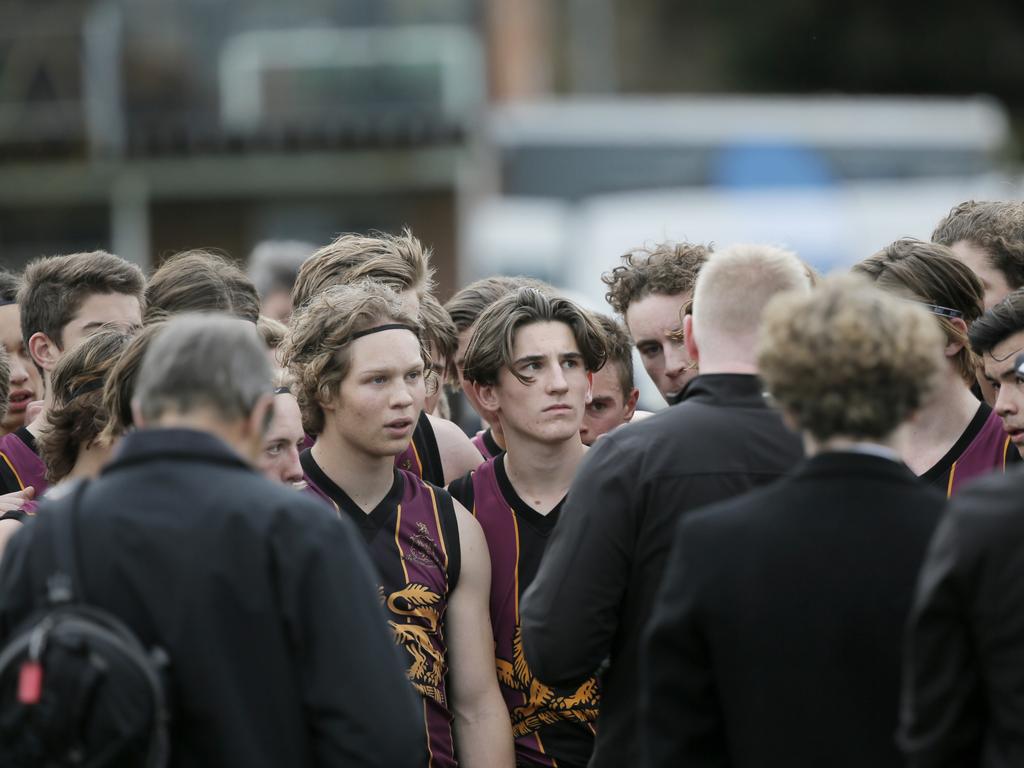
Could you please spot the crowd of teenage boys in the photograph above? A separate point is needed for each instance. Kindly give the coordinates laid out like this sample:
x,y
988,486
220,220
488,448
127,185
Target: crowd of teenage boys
x,y
813,557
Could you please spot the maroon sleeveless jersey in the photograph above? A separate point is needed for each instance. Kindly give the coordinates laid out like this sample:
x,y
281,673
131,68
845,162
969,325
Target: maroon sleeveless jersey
x,y
551,727
20,464
983,447
422,457
413,539
485,443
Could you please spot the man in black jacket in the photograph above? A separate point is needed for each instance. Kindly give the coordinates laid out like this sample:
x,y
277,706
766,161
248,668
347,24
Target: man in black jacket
x,y
776,635
963,681
595,586
262,598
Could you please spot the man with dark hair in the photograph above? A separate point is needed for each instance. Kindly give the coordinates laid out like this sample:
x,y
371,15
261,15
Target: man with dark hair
x,y
62,300
356,359
651,290
263,600
594,590
989,238
25,384
530,361
997,337
464,308
439,451
613,395
955,437
774,641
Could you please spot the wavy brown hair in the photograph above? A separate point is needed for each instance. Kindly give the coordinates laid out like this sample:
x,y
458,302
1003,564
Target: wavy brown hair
x,y
930,273
491,347
997,227
666,269
398,261
78,417
317,349
200,281
120,383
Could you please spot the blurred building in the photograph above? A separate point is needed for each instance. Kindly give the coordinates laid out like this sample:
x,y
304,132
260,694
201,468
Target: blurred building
x,y
148,126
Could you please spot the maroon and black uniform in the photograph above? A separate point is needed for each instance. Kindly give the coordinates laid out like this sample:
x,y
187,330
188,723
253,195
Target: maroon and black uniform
x,y
983,447
20,467
486,444
423,457
551,727
412,536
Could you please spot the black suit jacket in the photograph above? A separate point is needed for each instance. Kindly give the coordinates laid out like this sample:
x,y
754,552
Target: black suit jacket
x,y
264,600
963,698
776,636
596,583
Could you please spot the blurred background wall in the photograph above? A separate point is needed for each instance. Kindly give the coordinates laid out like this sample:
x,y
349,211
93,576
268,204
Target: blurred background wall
x,y
518,136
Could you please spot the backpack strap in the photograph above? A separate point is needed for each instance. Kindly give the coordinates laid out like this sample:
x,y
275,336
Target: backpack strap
x,y
65,584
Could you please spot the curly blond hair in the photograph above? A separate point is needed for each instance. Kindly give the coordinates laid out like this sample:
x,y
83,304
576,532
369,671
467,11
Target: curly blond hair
x,y
316,350
847,359
666,269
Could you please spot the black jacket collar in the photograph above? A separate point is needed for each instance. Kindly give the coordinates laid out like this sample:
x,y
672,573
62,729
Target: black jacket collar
x,y
853,463
160,444
733,389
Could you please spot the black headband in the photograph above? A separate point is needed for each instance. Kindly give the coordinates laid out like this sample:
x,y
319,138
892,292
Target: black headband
x,y
85,389
386,327
7,302
282,391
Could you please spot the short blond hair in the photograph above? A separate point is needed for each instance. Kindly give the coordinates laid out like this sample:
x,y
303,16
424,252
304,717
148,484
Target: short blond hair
x,y
398,261
316,351
848,359
736,284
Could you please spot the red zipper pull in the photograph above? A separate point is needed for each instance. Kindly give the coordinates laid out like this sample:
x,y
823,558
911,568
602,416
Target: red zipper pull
x,y
30,682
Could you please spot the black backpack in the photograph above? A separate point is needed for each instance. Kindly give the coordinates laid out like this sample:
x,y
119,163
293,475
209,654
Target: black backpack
x,y
76,686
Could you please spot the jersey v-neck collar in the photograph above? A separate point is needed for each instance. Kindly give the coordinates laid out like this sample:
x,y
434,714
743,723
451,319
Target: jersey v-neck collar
x,y
377,517
525,512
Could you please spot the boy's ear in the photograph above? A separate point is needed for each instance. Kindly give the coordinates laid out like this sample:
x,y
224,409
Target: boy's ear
x,y
487,395
44,350
630,404
690,341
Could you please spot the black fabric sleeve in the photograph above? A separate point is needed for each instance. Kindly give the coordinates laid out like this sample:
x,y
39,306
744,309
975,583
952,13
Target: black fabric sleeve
x,y
450,531
430,455
570,612
942,714
680,715
343,649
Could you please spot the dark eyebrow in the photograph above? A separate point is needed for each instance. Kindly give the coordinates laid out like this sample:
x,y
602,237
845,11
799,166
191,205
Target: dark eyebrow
x,y
640,342
571,355
528,359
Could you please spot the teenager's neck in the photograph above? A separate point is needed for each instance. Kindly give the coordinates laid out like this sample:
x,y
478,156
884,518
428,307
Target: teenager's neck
x,y
90,461
541,473
366,479
497,435
939,424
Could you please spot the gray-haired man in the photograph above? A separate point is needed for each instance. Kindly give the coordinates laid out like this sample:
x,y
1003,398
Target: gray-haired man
x,y
263,599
